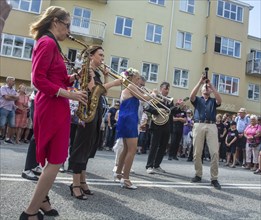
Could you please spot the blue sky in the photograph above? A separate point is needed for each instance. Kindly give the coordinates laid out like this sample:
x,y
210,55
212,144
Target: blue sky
x,y
255,18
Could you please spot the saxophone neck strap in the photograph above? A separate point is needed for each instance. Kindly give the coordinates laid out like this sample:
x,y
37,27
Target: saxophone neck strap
x,y
50,34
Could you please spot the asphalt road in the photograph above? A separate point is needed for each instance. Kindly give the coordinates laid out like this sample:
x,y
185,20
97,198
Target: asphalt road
x,y
159,196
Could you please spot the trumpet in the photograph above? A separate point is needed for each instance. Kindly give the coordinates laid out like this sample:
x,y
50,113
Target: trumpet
x,y
164,111
160,97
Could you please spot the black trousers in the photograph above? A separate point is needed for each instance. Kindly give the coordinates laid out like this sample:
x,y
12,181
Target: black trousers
x,y
30,161
110,140
159,141
176,136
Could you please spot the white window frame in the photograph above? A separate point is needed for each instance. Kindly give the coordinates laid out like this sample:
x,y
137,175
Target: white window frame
x,y
182,79
148,75
157,2
228,47
120,67
225,87
30,2
254,92
16,51
230,11
124,27
154,33
182,42
81,23
185,6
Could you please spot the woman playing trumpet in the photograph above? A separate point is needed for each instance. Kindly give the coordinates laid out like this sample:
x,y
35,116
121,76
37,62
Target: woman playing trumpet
x,y
127,125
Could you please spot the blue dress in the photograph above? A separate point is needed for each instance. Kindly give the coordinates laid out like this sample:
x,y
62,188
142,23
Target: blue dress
x,y
127,125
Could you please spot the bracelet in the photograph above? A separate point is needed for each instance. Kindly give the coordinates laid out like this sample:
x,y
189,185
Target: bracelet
x,y
2,19
58,93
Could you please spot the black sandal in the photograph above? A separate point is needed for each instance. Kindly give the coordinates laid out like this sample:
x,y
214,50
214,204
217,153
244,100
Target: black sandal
x,y
81,197
25,216
87,191
52,212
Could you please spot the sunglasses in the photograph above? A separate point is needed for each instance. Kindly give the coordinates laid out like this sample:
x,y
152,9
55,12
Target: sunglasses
x,y
66,24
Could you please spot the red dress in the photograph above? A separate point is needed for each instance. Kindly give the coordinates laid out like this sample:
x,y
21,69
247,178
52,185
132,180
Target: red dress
x,y
21,120
52,113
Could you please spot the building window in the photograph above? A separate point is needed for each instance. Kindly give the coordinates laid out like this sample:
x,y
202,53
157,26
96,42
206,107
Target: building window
x,y
180,78
81,20
184,40
187,6
150,72
230,11
16,46
226,84
154,33
27,5
253,92
228,47
158,2
123,26
119,64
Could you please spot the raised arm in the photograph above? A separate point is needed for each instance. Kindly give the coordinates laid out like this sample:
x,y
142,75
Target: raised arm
x,y
195,90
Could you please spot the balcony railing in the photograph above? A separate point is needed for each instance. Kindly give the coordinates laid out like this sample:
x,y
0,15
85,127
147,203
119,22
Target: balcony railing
x,y
88,28
253,65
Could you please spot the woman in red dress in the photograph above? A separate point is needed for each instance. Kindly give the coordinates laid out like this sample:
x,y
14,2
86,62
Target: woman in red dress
x,y
52,112
21,119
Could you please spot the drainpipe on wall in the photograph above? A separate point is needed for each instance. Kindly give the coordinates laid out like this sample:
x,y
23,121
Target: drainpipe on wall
x,y
169,43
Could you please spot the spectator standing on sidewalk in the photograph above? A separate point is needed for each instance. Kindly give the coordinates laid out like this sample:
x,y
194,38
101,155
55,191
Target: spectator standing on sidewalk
x,y
231,143
205,127
111,125
179,117
242,121
22,105
8,96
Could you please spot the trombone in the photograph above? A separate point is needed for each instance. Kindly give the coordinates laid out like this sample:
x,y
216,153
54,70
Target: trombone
x,y
163,112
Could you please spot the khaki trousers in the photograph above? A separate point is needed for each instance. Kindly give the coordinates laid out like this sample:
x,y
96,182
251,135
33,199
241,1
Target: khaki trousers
x,y
200,132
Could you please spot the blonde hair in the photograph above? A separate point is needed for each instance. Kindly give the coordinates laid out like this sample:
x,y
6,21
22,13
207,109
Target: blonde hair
x,y
20,86
219,116
40,27
130,73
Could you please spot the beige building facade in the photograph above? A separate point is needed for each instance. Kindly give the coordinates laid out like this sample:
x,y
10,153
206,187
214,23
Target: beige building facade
x,y
165,40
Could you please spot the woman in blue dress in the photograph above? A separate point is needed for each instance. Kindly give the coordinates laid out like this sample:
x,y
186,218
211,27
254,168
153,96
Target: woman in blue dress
x,y
127,126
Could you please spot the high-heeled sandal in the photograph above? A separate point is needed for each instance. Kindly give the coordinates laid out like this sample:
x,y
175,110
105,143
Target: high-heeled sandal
x,y
86,191
25,216
52,212
81,197
127,186
117,176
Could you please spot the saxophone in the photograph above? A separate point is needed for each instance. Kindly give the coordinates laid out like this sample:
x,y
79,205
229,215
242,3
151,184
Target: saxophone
x,y
86,113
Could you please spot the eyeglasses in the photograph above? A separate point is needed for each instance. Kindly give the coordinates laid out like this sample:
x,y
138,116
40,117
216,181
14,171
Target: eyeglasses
x,y
66,24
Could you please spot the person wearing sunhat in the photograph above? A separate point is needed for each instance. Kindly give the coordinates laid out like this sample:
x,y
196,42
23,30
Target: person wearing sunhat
x,y
242,121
